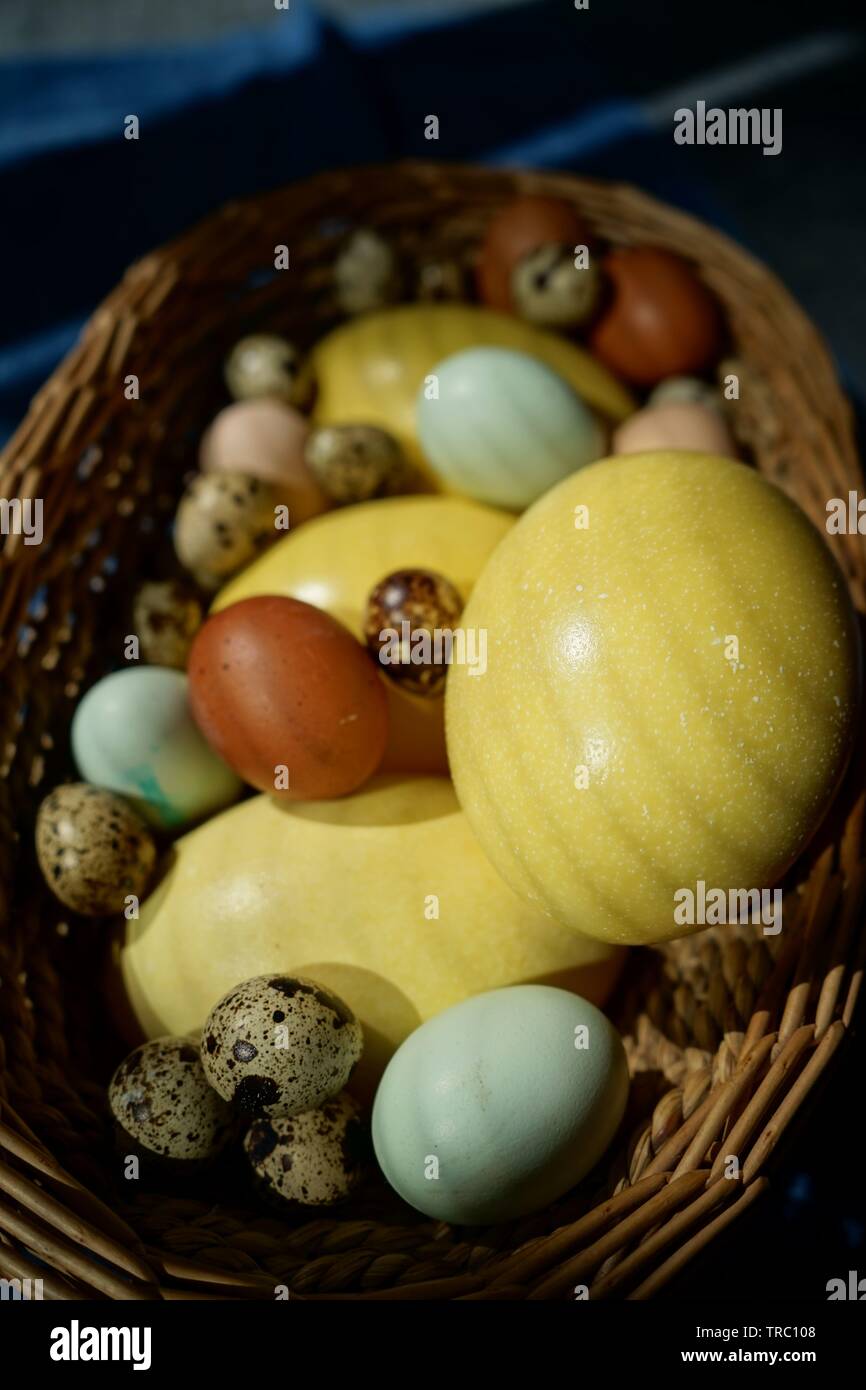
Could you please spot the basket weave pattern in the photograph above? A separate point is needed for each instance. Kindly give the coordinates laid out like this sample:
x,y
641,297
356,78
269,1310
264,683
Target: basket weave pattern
x,y
727,1032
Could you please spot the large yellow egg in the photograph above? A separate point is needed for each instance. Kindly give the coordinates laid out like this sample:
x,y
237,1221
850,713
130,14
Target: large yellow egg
x,y
385,896
335,560
672,681
369,370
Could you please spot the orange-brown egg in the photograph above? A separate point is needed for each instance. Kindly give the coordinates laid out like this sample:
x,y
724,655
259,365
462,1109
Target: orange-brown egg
x,y
519,228
660,321
288,698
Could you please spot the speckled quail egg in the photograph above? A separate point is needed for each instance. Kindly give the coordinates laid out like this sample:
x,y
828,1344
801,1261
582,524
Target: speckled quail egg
x,y
366,273
441,282
278,1045
266,365
548,289
163,1104
223,521
165,617
353,463
313,1159
93,849
417,654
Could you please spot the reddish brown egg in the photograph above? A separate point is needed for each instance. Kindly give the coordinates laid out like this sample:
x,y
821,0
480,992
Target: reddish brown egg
x,y
288,698
660,319
520,227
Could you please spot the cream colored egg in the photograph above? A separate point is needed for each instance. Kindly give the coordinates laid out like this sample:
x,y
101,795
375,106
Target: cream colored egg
x,y
265,439
680,425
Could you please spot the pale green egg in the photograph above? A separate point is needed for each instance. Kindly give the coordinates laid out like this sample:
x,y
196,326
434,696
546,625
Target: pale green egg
x,y
500,1104
133,733
502,427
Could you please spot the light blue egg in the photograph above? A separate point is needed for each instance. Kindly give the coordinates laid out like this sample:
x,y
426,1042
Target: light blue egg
x,y
496,1107
504,427
133,733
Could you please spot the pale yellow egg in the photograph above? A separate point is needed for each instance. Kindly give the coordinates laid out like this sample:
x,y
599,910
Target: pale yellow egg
x,y
672,684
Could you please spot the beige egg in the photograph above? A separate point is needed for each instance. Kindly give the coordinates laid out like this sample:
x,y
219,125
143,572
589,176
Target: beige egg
x,y
681,426
367,273
314,1159
265,439
93,849
223,521
165,617
278,1045
163,1104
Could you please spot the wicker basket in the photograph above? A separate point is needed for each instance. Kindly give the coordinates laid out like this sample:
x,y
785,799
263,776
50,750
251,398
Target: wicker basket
x,y
726,1032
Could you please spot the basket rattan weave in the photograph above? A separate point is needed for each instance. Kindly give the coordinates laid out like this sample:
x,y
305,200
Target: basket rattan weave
x,y
727,1032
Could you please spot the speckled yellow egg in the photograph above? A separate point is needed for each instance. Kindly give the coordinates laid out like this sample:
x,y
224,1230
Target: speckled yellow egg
x,y
673,676
369,371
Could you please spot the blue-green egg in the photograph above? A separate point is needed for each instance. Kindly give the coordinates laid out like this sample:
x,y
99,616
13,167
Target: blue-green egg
x,y
133,733
500,1104
502,427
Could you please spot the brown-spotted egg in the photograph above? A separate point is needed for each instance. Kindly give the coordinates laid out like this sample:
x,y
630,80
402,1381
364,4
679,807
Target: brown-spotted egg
x,y
353,463
313,1159
549,289
166,617
266,365
163,1104
278,1045
223,521
367,273
93,849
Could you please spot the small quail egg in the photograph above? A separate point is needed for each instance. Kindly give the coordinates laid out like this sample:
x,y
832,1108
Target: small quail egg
x,y
223,521
441,281
366,273
313,1159
93,849
265,365
353,463
418,653
685,390
279,1045
548,289
162,1102
166,617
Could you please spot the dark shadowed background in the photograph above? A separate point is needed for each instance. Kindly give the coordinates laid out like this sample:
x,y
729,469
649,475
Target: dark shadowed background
x,y
234,96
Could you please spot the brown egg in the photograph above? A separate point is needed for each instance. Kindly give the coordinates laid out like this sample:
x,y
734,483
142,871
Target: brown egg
x,y
288,698
265,439
408,622
517,229
685,425
660,320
